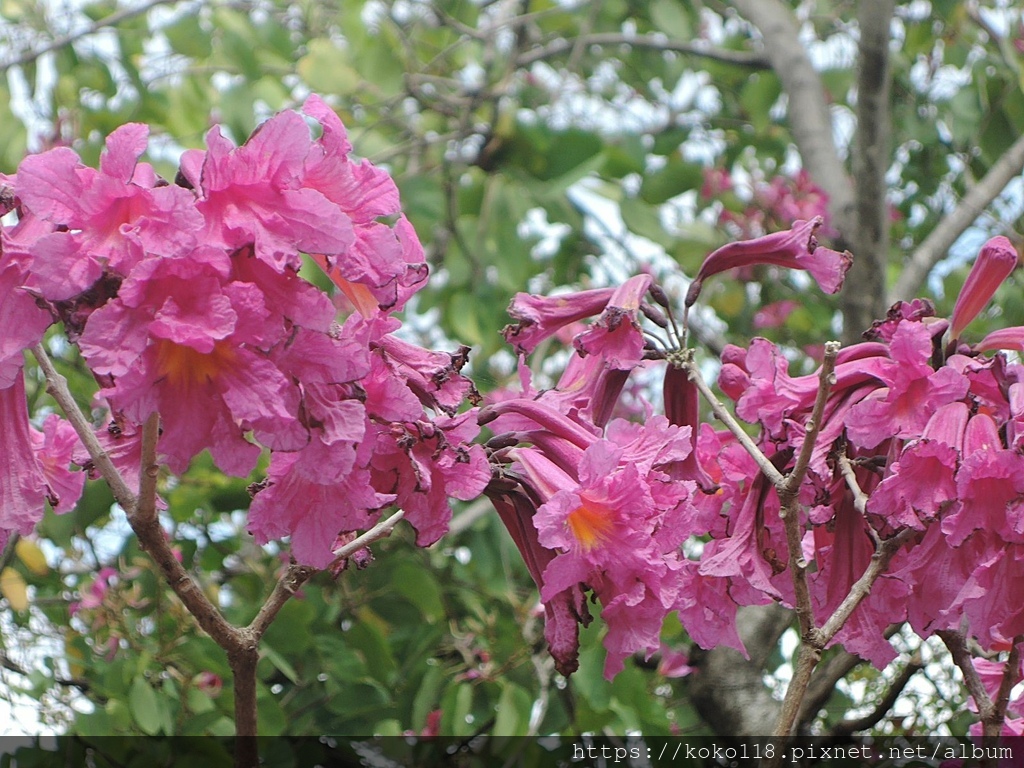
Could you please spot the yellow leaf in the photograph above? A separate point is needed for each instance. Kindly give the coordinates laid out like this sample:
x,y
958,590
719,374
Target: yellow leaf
x,y
32,556
12,586
74,655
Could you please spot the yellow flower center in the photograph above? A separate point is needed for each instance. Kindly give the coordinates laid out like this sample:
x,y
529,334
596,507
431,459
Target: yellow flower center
x,y
591,524
183,366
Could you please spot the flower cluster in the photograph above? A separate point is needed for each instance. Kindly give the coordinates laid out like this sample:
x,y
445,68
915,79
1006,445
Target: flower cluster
x,y
920,436
605,504
185,301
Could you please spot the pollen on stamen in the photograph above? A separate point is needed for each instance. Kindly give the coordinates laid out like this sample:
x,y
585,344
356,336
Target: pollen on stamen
x,y
591,525
183,365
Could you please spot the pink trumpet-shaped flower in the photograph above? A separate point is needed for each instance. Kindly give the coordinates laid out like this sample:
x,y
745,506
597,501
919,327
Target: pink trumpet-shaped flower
x,y
996,260
796,248
538,317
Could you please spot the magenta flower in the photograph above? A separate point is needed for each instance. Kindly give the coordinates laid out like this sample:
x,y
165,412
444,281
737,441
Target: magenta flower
x,y
423,464
313,510
564,612
539,317
384,265
996,260
23,320
109,219
183,341
989,485
796,248
617,522
255,195
23,486
913,391
616,337
921,482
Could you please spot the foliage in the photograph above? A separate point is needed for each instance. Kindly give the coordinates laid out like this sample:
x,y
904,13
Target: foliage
x,y
492,118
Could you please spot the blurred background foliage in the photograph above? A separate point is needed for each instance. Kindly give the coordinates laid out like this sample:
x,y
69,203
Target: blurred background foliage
x,y
537,144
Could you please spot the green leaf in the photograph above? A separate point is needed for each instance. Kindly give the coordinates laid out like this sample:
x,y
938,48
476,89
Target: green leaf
x,y
187,37
676,177
643,219
145,706
669,17
280,662
326,68
758,96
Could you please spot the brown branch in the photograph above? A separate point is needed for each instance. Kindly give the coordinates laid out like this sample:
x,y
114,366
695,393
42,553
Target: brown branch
x,y
808,112
654,42
880,560
956,642
286,587
871,160
789,491
843,729
992,720
57,387
824,680
62,42
693,371
935,247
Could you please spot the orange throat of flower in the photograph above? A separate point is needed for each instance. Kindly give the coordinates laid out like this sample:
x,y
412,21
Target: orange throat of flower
x,y
183,366
591,524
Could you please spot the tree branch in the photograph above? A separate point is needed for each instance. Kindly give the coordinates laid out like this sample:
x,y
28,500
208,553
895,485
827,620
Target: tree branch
x,y
842,730
693,371
808,113
871,160
789,491
57,387
62,42
935,247
654,42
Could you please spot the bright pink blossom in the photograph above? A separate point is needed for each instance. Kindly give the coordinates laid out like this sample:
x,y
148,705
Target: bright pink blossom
x,y
796,248
995,261
107,218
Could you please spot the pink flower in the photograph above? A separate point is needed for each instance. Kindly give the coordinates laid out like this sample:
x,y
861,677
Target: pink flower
x,y
311,510
921,482
539,317
23,486
384,263
209,683
108,219
255,195
796,248
996,260
775,314
423,464
913,393
183,341
616,337
23,321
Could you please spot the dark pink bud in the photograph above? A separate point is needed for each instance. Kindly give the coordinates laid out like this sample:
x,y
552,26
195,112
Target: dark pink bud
x,y
796,248
995,262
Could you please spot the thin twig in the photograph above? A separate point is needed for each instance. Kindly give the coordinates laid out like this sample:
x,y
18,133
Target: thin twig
x,y
992,720
862,587
286,587
789,492
860,499
380,531
843,729
826,379
693,371
655,42
57,386
956,642
62,42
